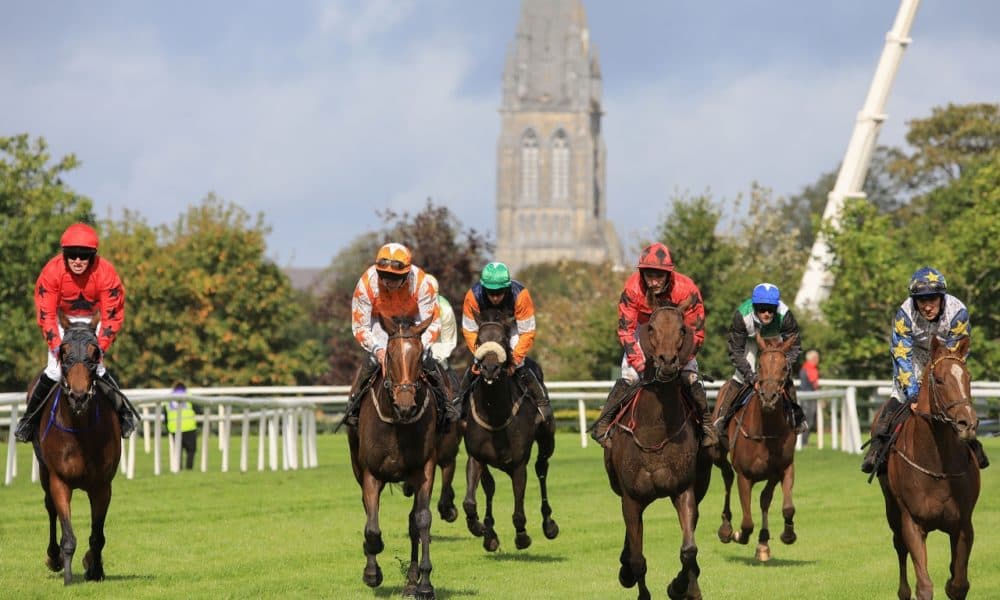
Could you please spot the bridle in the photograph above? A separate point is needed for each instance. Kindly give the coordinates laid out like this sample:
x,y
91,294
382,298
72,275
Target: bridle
x,y
776,382
73,351
395,388
659,374
939,411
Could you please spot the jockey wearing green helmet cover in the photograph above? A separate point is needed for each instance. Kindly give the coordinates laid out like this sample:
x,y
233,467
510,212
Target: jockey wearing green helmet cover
x,y
496,289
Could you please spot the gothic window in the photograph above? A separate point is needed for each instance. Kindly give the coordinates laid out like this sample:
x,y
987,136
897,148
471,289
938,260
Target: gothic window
x,y
560,169
529,169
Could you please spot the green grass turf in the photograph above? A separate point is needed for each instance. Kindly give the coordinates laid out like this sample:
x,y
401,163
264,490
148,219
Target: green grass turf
x,y
299,534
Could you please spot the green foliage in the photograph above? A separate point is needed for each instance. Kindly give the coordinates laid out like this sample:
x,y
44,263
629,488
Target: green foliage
x,y
205,305
35,208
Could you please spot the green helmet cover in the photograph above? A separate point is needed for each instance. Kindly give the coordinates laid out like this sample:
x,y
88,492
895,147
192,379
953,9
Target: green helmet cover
x,y
496,276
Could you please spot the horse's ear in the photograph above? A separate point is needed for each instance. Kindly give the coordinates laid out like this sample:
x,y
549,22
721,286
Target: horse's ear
x,y
94,320
687,303
935,345
761,343
787,345
63,319
963,346
422,327
391,326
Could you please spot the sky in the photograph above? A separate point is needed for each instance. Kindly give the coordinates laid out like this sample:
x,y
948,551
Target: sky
x,y
319,113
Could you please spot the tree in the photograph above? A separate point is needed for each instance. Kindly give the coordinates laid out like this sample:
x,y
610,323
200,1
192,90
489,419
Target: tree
x,y
205,305
35,208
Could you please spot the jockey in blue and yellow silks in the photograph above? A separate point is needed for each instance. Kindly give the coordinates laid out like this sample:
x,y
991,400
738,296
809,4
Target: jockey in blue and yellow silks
x,y
929,312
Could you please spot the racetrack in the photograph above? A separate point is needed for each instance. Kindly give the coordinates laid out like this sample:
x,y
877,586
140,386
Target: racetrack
x,y
299,534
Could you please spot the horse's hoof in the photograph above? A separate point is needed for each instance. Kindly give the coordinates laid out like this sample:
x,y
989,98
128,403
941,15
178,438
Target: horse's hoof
x,y
407,490
373,579
789,537
448,513
522,541
425,593
763,553
726,534
626,577
742,537
551,529
672,592
491,544
54,564
475,526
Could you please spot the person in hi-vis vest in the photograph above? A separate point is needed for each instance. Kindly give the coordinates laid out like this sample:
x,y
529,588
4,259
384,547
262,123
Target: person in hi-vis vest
x,y
189,424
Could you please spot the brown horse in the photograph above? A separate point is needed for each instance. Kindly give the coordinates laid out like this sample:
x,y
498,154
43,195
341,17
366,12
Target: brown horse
x,y
500,432
763,449
931,481
78,446
394,442
664,458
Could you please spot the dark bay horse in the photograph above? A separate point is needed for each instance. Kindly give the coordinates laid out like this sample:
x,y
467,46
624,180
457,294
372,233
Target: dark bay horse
x,y
78,446
661,456
395,442
931,481
762,447
500,432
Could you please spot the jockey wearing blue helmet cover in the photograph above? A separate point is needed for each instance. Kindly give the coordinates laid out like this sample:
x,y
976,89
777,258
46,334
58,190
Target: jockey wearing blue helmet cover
x,y
764,313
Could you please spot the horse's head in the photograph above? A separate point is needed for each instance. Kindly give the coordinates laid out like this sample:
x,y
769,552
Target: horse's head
x,y
403,366
492,343
772,369
79,355
946,390
670,340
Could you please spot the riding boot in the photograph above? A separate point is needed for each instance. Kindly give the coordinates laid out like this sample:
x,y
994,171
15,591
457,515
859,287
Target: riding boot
x,y
799,423
362,382
880,435
696,388
977,449
539,395
436,377
126,414
601,429
28,423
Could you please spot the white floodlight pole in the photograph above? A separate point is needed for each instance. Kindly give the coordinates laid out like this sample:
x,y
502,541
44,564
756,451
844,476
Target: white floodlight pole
x,y
817,279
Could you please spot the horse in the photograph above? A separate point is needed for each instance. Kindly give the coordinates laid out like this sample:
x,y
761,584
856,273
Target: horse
x,y
931,480
78,446
762,445
500,430
448,442
395,442
662,456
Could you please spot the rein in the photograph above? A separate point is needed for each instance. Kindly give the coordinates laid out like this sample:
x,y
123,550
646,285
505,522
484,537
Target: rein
x,y
392,421
54,421
938,412
514,409
633,423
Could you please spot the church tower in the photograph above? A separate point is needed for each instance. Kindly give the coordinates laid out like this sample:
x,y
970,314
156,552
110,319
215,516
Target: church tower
x,y
551,199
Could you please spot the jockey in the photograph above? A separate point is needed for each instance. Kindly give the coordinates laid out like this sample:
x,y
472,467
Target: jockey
x,y
446,342
77,283
496,289
394,287
929,311
655,274
764,313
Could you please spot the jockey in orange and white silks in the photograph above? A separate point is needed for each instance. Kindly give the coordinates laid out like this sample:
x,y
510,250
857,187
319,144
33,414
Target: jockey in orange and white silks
x,y
393,287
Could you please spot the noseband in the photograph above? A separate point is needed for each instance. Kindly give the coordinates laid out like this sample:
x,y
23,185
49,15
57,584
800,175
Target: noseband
x,y
659,375
76,340
393,389
939,411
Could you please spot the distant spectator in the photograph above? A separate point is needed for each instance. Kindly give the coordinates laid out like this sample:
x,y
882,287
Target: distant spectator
x,y
809,382
189,424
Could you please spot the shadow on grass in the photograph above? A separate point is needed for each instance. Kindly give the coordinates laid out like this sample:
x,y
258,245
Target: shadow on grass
x,y
440,592
525,558
774,562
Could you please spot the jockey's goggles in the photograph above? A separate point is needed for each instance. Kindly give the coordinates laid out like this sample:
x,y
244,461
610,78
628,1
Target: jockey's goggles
x,y
926,288
388,263
765,308
78,253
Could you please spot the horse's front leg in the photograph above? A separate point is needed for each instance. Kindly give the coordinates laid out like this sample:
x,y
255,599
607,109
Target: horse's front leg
x,y
53,559
726,533
745,487
62,494
418,576
787,506
446,502
490,540
93,563
473,471
915,539
371,490
546,447
763,553
633,569
957,586
519,479
685,585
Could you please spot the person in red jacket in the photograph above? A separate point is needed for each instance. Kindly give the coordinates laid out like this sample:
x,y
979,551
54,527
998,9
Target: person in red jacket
x,y
77,283
655,273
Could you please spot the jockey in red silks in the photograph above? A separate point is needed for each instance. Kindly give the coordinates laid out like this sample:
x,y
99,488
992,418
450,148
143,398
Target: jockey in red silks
x,y
655,274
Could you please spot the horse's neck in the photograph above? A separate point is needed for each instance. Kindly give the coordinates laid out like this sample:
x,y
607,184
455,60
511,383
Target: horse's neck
x,y
497,399
661,404
770,420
